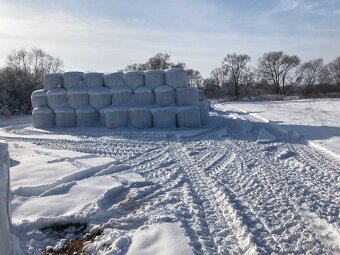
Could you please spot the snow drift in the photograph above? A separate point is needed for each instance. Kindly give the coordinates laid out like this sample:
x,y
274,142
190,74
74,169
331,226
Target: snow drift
x,y
4,200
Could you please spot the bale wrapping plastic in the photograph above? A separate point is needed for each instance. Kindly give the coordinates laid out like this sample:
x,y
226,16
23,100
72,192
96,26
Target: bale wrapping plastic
x,y
188,116
121,95
176,77
72,79
78,96
93,79
140,117
164,117
53,80
164,95
39,98
144,96
100,97
114,80
116,117
43,117
86,116
56,98
134,79
204,112
65,116
187,96
102,114
154,78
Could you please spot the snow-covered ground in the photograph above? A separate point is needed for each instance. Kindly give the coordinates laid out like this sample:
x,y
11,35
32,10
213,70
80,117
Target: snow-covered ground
x,y
318,119
241,185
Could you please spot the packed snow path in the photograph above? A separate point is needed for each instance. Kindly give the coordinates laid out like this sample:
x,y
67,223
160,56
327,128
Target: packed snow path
x,y
239,187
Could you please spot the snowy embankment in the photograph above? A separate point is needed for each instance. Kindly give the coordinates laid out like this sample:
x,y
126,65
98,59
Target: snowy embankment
x,y
5,217
316,119
238,186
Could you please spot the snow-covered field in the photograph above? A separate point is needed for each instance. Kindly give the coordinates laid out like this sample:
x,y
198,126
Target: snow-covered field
x,y
241,185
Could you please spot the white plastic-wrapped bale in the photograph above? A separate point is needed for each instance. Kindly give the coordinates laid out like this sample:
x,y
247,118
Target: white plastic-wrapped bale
x,y
86,116
165,95
5,214
39,98
114,80
164,117
121,95
116,117
42,117
102,114
188,116
72,79
204,112
187,96
93,79
144,96
78,96
65,116
53,80
134,79
140,117
100,97
56,98
176,77
154,78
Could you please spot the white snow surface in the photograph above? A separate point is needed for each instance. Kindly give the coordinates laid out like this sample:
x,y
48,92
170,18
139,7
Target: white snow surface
x,y
316,119
240,185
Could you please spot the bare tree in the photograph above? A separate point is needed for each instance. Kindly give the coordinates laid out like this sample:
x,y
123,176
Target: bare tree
x,y
35,61
195,78
310,75
334,70
219,75
279,70
239,74
23,73
159,61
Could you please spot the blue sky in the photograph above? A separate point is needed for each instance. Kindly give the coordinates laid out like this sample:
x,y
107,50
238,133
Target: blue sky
x,y
108,35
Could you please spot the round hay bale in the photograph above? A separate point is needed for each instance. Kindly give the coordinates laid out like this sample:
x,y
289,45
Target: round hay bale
x,y
53,80
121,95
72,79
144,96
116,117
204,112
176,77
134,79
100,97
102,114
140,117
65,116
188,116
39,98
154,78
56,97
86,116
114,80
78,96
165,95
164,117
94,79
42,117
187,96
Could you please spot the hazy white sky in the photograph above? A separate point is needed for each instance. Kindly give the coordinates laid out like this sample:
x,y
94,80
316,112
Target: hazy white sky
x,y
108,35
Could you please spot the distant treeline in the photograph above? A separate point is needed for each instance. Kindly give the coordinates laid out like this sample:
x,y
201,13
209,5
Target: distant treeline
x,y
276,76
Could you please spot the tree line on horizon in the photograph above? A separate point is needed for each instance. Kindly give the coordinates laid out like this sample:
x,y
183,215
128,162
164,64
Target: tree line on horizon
x,y
276,76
